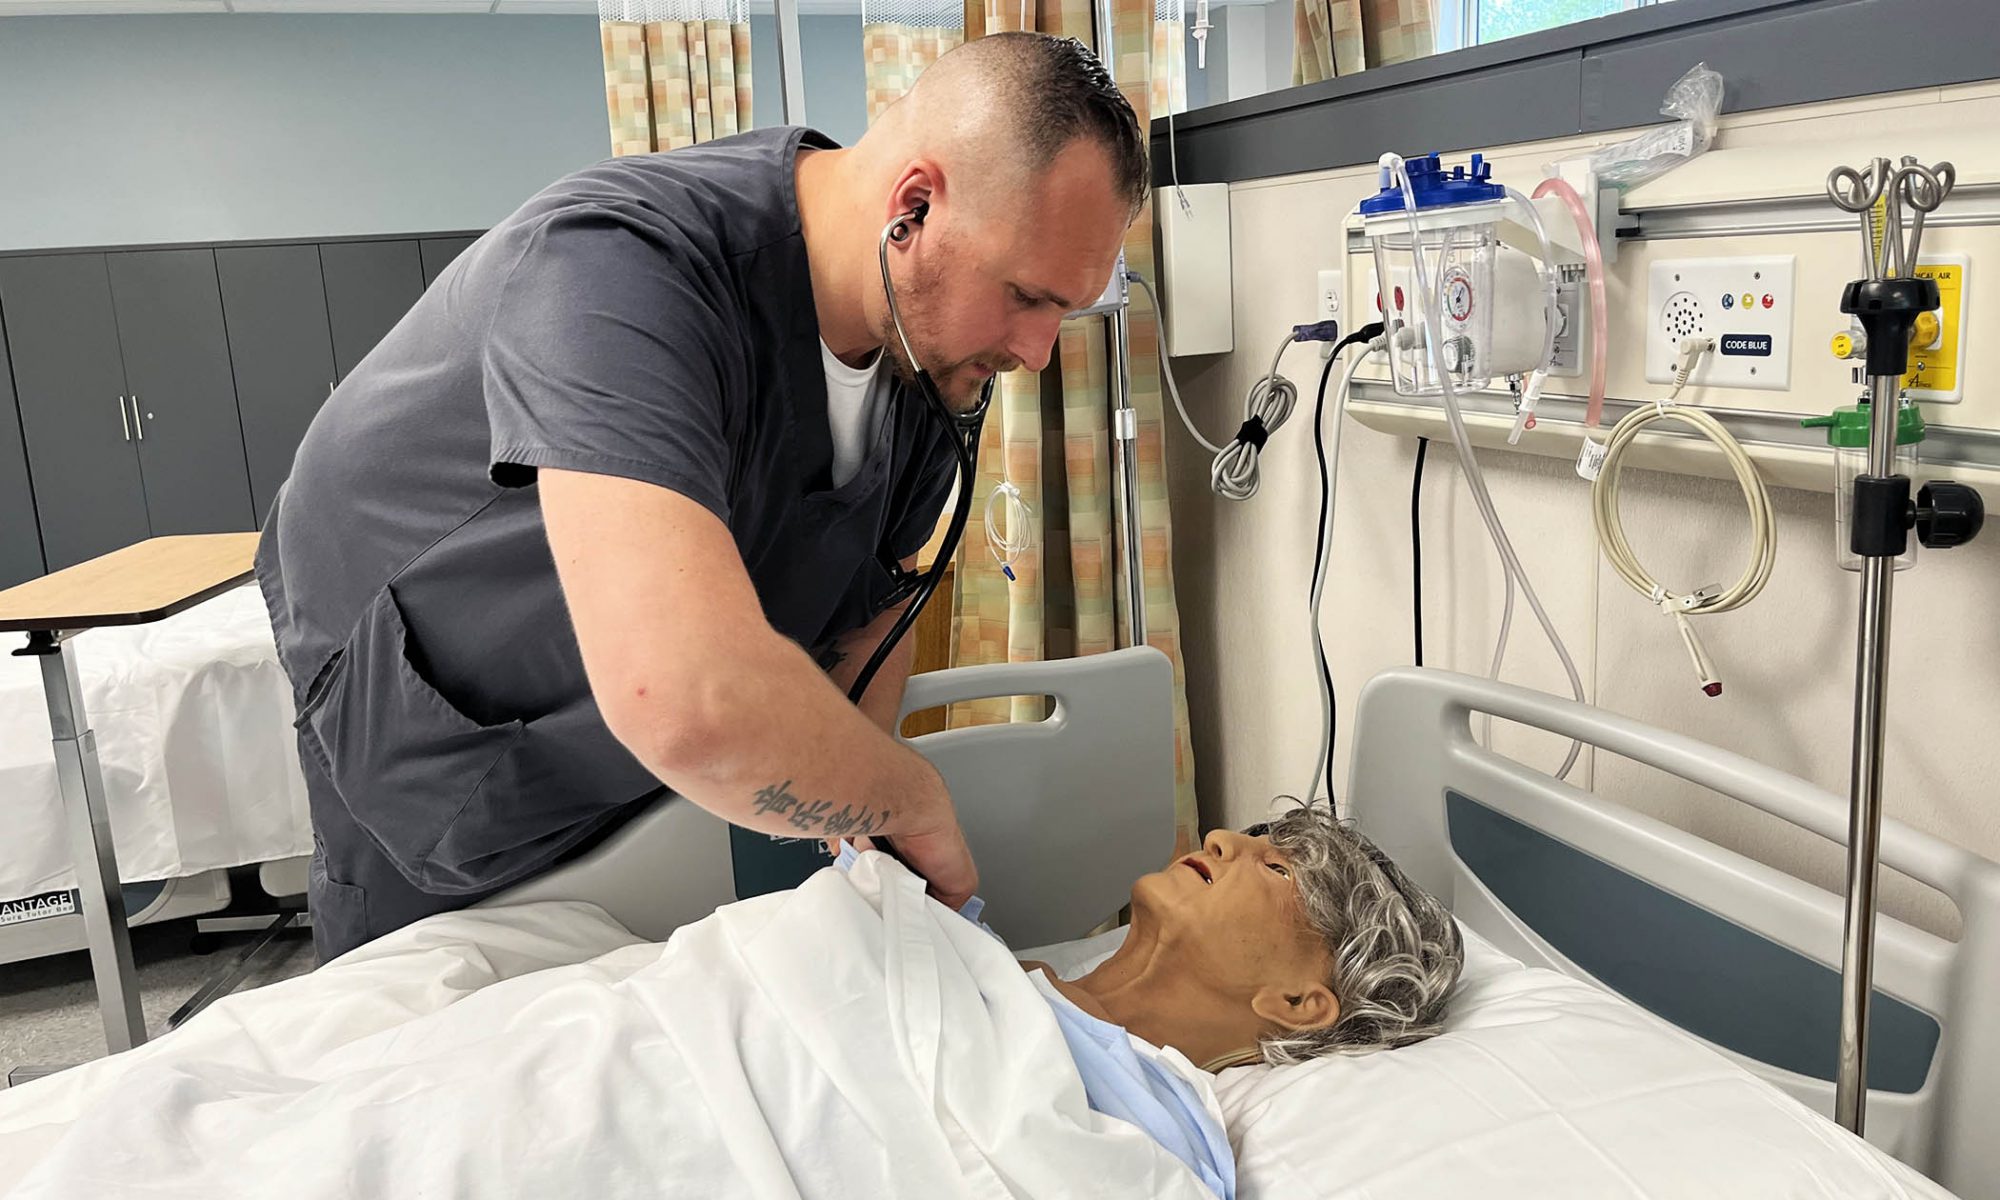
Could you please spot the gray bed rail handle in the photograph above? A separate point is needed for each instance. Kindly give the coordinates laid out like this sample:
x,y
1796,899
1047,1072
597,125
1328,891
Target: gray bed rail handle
x,y
1450,698
1061,678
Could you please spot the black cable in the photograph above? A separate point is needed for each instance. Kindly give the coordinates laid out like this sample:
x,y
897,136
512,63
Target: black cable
x,y
964,435
1366,333
1319,567
1417,550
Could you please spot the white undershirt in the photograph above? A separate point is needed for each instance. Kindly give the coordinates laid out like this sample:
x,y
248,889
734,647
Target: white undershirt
x,y
854,401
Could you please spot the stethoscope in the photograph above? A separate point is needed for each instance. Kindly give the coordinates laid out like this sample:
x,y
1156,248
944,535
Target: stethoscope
x,y
962,428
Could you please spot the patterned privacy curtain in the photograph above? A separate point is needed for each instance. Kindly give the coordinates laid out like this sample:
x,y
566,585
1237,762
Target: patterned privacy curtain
x,y
676,72
1339,37
1049,436
899,38
1169,57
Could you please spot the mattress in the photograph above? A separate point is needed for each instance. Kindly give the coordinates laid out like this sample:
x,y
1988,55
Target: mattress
x,y
193,717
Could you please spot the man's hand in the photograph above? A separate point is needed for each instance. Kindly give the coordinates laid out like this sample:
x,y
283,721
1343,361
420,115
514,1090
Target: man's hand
x,y
942,858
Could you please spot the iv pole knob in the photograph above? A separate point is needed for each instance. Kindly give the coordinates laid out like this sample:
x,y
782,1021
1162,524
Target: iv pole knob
x,y
1948,514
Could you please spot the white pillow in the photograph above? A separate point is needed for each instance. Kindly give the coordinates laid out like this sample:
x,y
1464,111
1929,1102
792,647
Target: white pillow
x,y
1540,1086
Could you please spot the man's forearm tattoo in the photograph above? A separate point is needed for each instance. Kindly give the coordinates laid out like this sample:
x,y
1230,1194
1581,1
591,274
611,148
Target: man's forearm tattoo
x,y
819,816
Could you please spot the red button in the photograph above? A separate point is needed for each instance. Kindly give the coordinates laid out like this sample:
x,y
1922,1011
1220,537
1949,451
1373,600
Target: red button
x,y
1769,300
1399,299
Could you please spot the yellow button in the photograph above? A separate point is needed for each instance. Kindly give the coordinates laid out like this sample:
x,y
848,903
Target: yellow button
x,y
1748,300
1843,345
1924,334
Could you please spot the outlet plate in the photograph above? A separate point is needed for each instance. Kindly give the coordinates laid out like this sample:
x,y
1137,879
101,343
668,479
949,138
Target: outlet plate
x,y
1327,305
1572,332
1745,304
1937,370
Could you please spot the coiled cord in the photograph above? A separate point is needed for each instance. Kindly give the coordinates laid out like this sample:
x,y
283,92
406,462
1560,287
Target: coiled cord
x,y
1618,551
1268,405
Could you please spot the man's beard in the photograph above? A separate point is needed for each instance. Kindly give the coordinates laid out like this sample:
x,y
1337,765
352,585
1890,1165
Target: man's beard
x,y
961,387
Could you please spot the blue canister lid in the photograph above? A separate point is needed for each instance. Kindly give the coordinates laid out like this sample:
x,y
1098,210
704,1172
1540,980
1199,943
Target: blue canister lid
x,y
1434,188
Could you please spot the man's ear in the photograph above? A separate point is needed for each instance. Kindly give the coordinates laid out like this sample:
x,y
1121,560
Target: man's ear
x,y
1310,1006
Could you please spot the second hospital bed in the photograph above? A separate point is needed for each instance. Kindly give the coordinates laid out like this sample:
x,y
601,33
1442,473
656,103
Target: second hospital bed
x,y
192,717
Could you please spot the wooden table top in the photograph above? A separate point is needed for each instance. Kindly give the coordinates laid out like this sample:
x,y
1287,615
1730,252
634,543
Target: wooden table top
x,y
144,582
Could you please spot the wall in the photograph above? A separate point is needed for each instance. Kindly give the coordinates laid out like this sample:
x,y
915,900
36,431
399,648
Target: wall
x,y
133,129
1249,51
1243,570
836,86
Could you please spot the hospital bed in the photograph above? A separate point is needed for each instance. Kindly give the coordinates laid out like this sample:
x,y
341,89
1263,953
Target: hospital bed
x,y
1545,1082
192,717
1678,956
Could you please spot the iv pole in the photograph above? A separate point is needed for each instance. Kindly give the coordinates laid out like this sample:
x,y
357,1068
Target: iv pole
x,y
1115,307
1886,304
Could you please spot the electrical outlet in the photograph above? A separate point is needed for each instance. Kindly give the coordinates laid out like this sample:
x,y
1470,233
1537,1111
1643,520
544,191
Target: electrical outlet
x,y
1572,299
1331,284
1327,305
1745,305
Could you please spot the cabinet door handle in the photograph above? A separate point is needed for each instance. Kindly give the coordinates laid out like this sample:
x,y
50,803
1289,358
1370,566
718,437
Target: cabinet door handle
x,y
122,421
136,421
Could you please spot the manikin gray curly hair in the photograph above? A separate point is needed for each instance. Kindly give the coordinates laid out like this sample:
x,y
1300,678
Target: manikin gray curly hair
x,y
1396,950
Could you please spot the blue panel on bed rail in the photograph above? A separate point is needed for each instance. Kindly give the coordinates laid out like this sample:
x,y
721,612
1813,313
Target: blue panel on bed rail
x,y
1706,974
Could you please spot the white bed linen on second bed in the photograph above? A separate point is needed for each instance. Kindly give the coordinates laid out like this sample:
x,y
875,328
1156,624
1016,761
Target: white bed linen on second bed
x,y
193,717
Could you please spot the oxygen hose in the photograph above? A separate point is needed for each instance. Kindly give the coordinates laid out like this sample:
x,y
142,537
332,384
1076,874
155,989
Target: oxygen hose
x,y
1474,478
1593,258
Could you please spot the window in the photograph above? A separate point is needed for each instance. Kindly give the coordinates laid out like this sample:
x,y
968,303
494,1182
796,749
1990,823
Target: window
x,y
1464,23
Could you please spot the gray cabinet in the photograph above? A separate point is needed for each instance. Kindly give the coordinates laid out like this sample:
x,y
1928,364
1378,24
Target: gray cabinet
x,y
183,396
70,384
437,254
274,303
369,286
151,392
20,532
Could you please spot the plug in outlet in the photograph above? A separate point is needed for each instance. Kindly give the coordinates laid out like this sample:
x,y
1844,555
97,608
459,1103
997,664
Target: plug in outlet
x,y
1332,283
1571,327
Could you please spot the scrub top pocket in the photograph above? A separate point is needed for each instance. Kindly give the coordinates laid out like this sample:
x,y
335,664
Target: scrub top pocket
x,y
405,761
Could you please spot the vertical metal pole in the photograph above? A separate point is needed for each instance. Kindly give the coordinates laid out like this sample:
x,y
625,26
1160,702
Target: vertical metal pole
x,y
1864,820
791,62
101,898
1125,432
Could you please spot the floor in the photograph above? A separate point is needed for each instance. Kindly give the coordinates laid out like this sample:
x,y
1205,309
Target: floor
x,y
48,1008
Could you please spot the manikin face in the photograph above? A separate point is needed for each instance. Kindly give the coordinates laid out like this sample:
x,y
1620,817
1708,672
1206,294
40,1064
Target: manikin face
x,y
1231,914
983,285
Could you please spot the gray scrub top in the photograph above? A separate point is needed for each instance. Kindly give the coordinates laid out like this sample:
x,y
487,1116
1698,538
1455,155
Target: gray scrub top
x,y
648,317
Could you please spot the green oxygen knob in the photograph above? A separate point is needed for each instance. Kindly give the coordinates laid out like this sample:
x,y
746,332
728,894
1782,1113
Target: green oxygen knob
x,y
1847,427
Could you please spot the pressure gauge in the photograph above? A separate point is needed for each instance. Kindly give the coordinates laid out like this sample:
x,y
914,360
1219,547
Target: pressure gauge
x,y
1457,295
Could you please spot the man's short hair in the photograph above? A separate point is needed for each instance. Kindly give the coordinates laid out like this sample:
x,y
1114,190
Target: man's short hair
x,y
1057,91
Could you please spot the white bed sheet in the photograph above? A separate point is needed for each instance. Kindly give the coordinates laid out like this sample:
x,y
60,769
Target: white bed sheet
x,y
847,1040
193,717
1541,1086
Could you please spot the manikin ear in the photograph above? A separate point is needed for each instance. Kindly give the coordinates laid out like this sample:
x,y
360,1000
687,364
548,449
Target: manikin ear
x,y
1308,1006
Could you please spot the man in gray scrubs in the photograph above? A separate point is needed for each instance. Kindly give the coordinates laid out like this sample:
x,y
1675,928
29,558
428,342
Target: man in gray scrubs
x,y
616,510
